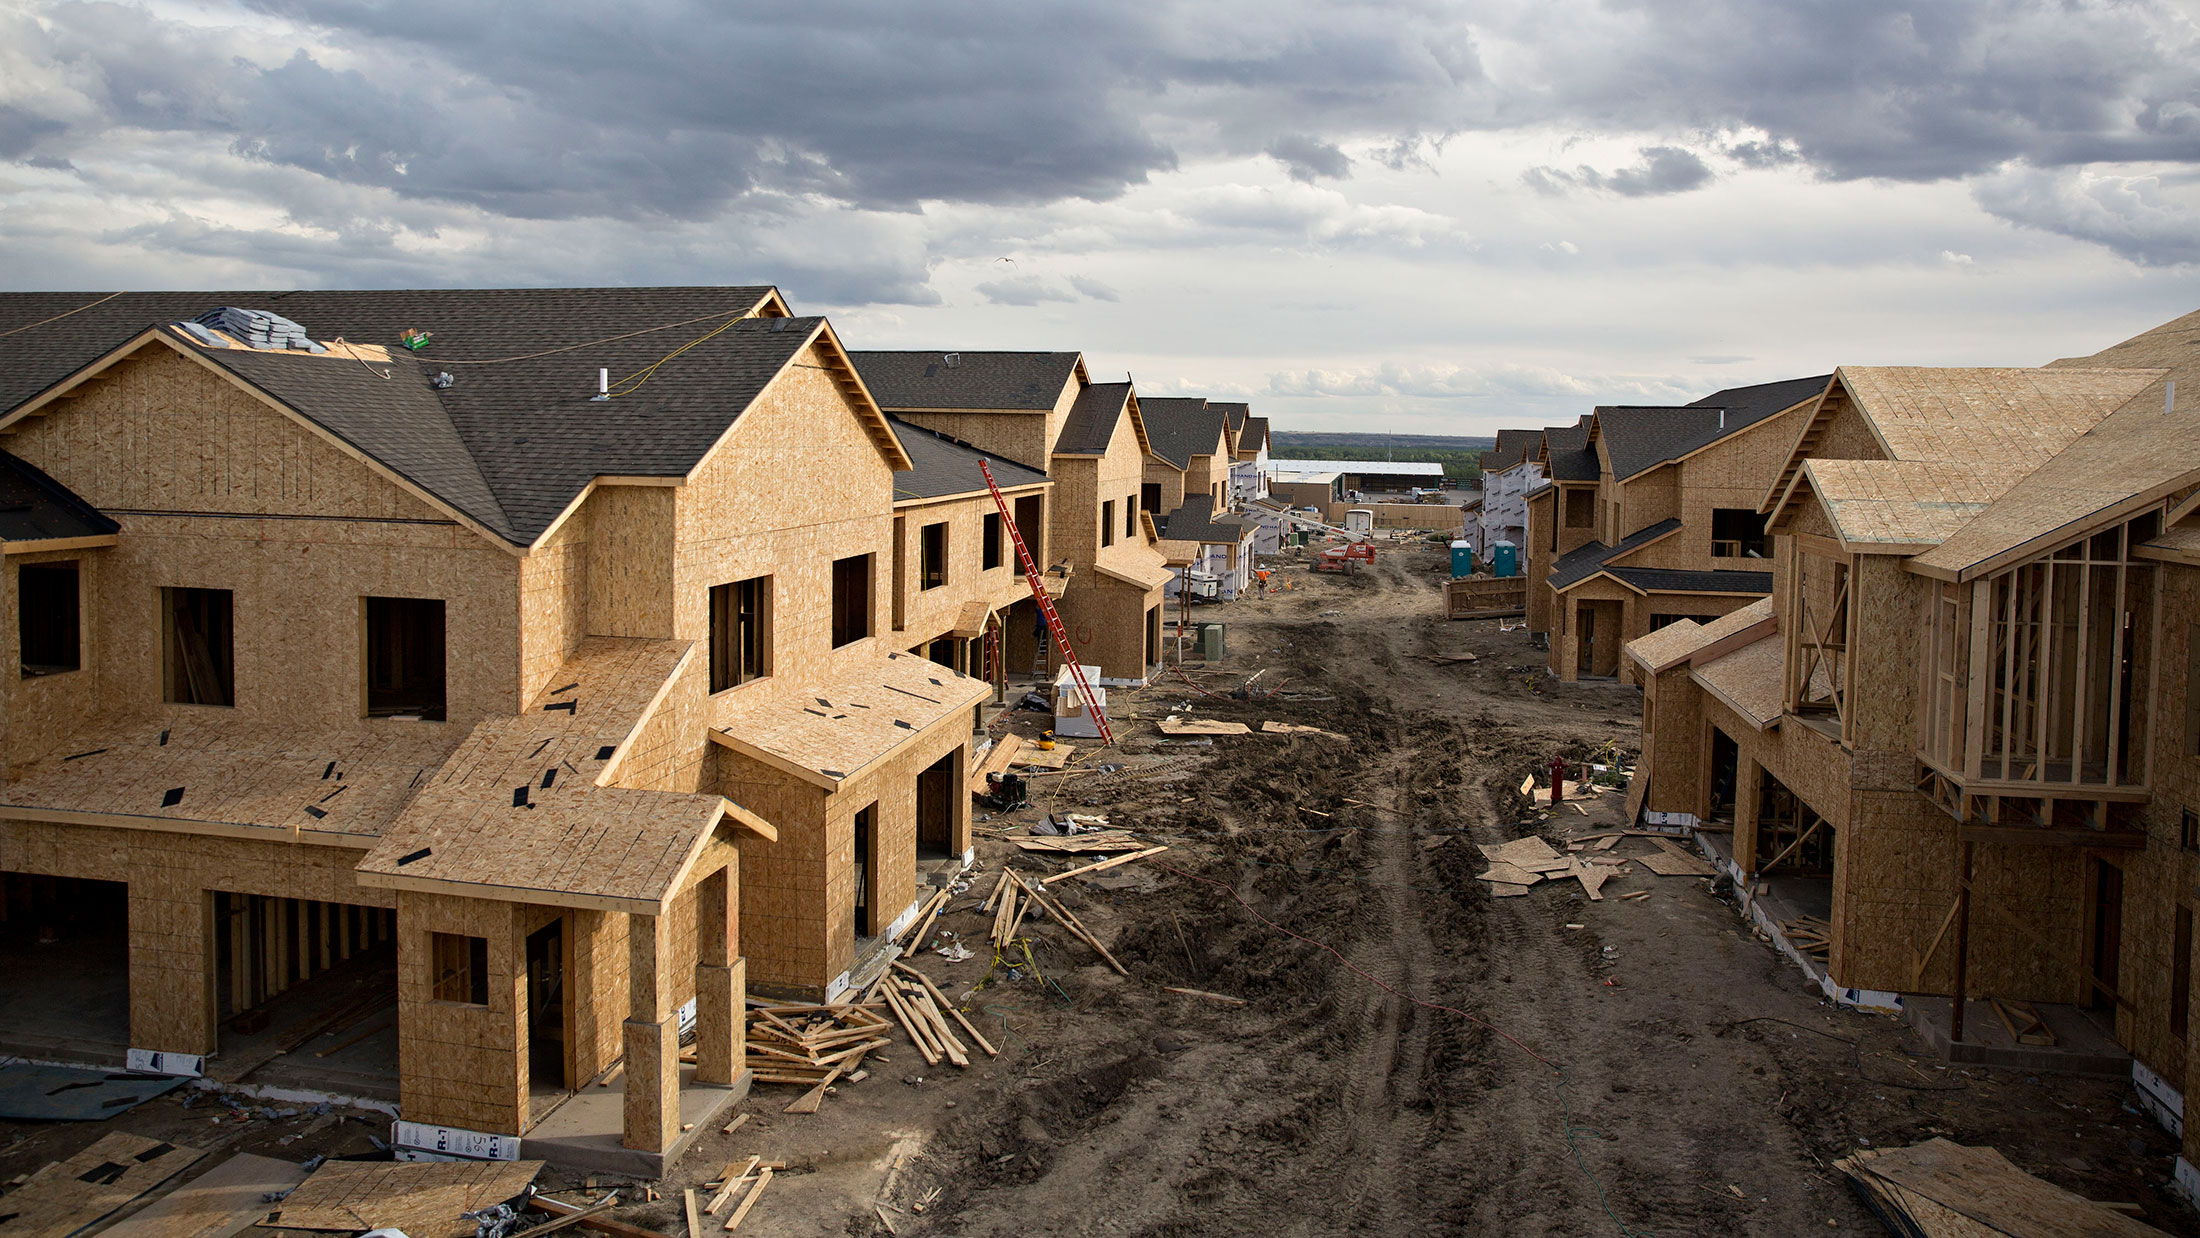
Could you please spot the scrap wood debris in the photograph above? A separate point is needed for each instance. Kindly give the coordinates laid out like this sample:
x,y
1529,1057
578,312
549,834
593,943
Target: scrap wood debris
x,y
1939,1189
813,1046
424,1199
1012,890
1810,935
924,1012
66,1196
1517,865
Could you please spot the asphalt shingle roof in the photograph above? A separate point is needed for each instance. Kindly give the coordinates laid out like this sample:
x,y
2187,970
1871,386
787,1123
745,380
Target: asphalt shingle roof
x,y
1582,562
1640,438
1015,381
1253,434
516,437
946,466
1092,419
1571,458
1180,428
35,507
1672,580
1196,521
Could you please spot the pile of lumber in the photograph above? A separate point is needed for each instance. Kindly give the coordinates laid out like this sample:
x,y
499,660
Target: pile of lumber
x,y
813,1046
1014,898
1939,1189
924,1012
744,1178
1810,935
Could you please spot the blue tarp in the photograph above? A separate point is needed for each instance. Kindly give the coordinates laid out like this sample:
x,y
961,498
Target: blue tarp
x,y
73,1093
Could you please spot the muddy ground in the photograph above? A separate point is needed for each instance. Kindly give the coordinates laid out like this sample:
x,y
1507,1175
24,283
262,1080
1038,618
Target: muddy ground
x,y
1413,1056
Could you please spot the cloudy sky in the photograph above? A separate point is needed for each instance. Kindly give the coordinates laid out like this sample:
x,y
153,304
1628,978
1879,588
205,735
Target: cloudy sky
x,y
1391,214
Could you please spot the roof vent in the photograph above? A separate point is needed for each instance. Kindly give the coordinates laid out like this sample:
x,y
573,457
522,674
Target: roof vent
x,y
2169,398
953,359
1722,419
442,380
259,329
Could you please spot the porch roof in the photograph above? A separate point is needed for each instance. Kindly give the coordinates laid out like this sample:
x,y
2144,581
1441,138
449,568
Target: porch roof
x,y
527,810
826,733
1747,681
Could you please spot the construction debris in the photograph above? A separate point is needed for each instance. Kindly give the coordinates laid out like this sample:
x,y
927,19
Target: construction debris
x,y
427,1199
1102,864
813,1046
1174,725
1940,1189
225,1200
67,1196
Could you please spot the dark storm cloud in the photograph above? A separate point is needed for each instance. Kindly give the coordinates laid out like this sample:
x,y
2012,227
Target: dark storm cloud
x,y
1662,170
1310,159
684,110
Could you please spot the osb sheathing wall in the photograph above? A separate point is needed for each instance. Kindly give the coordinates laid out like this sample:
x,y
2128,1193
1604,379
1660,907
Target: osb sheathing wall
x,y
1019,437
2164,876
36,714
1172,482
1105,618
553,599
796,484
460,1064
1672,735
172,878
1731,473
798,894
1024,436
216,490
927,614
1536,564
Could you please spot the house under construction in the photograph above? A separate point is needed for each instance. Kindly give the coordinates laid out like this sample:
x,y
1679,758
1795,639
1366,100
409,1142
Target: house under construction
x,y
552,667
1963,728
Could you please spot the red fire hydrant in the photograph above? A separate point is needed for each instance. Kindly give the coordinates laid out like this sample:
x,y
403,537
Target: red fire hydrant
x,y
1558,780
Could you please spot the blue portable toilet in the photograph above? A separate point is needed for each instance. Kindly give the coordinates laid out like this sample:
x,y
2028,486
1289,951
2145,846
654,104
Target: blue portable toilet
x,y
1462,558
1505,559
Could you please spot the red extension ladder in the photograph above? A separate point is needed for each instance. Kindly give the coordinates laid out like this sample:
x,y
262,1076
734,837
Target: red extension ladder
x,y
1046,608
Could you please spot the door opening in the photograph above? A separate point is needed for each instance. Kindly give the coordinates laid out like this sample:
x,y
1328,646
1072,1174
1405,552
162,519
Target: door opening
x,y
2108,934
546,1008
936,809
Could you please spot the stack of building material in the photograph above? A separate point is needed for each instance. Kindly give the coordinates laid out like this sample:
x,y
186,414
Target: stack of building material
x,y
814,1046
924,1012
1012,890
1939,1189
259,329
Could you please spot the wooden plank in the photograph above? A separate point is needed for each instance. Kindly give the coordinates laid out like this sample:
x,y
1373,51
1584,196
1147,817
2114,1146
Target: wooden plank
x,y
68,1195
695,1222
1981,1184
809,1101
219,1203
1101,864
602,1225
729,1182
748,1201
949,1007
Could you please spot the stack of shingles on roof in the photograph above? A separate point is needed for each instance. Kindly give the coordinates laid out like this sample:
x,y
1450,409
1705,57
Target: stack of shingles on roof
x,y
516,437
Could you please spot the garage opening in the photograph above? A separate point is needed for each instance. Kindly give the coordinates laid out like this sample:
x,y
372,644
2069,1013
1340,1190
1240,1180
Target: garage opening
x,y
306,993
64,968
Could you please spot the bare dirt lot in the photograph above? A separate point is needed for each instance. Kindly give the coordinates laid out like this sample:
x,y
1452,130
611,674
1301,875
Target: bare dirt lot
x,y
1413,1056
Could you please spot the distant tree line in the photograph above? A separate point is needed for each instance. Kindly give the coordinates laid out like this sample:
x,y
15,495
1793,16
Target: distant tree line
x,y
1462,467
